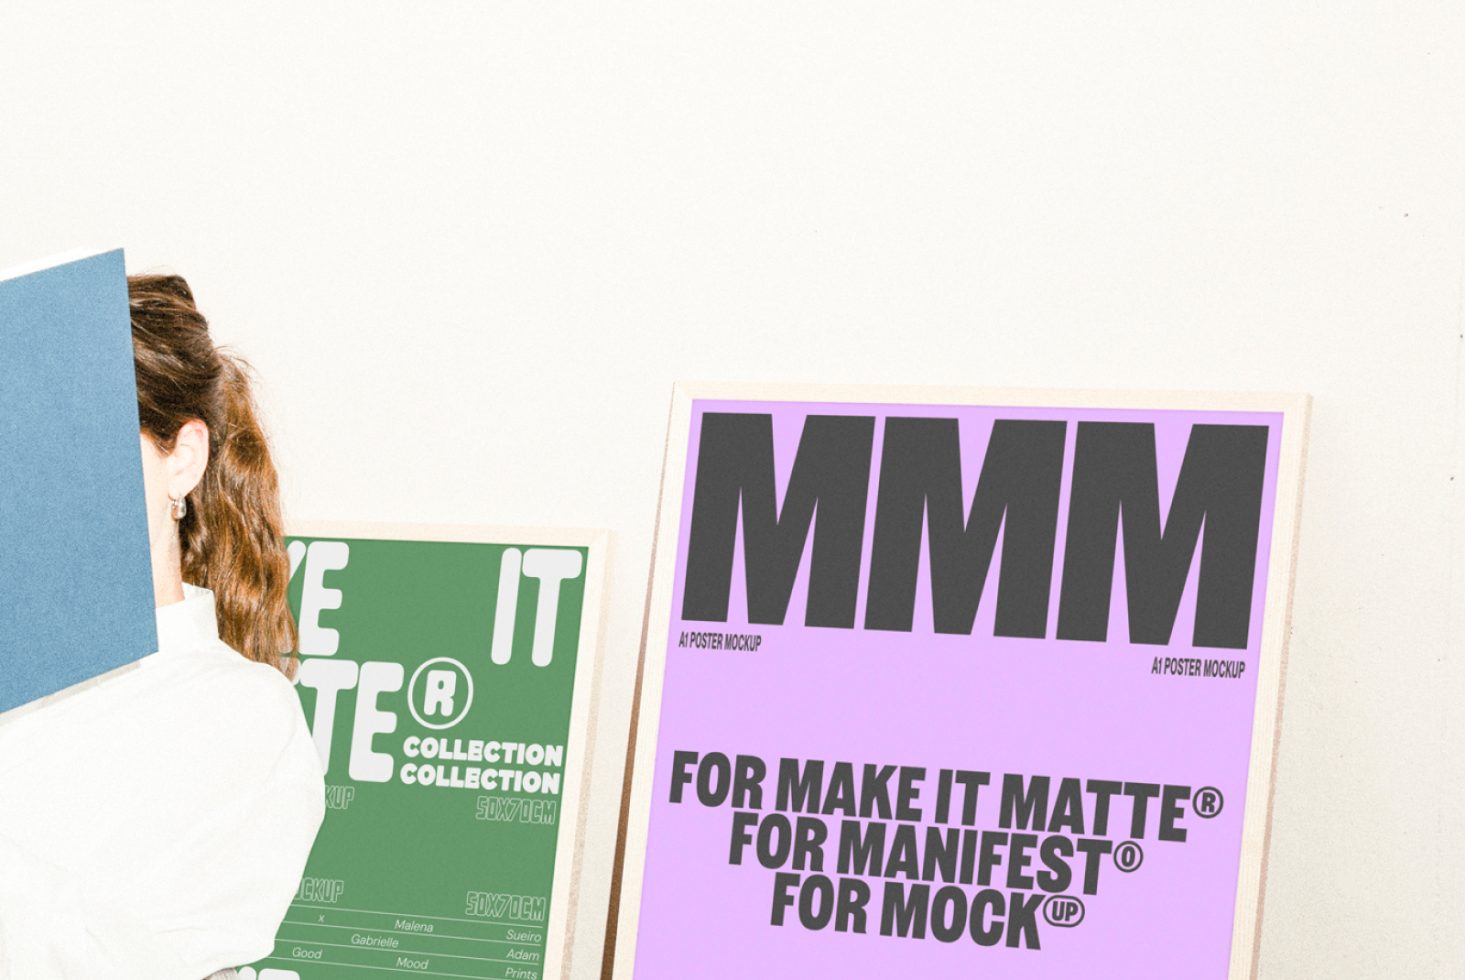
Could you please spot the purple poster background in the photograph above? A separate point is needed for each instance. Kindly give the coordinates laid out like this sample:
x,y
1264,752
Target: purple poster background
x,y
1002,705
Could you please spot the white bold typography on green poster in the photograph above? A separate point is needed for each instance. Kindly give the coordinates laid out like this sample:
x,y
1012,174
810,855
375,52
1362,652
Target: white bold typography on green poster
x,y
447,677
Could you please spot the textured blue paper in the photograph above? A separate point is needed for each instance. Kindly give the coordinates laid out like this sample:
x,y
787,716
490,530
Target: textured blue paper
x,y
76,595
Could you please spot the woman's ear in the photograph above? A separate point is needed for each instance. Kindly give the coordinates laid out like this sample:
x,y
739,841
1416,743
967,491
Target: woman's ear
x,y
188,459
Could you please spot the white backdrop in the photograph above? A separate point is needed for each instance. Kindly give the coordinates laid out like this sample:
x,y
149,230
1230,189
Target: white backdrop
x,y
469,245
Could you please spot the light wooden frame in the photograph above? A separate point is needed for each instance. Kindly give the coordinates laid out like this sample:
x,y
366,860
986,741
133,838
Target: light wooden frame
x,y
624,915
570,840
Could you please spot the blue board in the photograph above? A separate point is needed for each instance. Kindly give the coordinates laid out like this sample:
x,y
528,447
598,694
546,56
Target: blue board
x,y
76,593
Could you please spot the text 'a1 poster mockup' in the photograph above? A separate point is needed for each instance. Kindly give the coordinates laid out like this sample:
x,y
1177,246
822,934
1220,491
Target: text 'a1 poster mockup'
x,y
446,674
960,684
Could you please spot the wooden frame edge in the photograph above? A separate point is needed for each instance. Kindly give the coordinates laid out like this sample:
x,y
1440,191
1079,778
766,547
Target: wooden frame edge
x,y
1257,822
615,954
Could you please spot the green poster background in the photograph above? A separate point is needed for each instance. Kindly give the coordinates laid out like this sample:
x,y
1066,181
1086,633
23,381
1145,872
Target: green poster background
x,y
438,880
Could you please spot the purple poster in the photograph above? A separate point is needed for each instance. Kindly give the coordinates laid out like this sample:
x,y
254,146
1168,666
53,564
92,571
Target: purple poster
x,y
950,685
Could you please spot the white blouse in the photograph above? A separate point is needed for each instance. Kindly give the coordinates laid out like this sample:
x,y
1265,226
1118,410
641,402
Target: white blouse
x,y
155,825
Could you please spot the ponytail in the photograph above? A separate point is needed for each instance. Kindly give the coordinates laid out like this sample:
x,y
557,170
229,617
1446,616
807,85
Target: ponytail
x,y
232,535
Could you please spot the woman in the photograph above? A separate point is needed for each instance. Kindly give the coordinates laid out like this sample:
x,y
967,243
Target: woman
x,y
155,824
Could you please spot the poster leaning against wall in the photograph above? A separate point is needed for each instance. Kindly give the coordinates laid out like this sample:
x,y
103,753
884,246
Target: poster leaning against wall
x,y
943,682
448,676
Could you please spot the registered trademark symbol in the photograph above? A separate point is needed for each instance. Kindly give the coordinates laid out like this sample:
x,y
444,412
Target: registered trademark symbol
x,y
1128,856
1208,802
440,693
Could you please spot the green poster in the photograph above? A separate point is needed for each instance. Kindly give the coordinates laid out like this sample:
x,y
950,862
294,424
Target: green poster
x,y
447,676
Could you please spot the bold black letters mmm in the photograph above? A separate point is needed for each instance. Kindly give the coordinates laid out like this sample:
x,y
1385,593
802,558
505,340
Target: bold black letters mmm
x,y
1113,496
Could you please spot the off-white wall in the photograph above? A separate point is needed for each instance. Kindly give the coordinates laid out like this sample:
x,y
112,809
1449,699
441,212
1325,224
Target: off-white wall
x,y
469,245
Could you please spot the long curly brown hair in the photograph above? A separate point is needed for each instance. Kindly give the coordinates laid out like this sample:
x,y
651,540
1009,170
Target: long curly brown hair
x,y
232,535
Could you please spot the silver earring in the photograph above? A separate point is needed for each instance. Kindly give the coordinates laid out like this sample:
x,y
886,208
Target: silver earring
x,y
179,508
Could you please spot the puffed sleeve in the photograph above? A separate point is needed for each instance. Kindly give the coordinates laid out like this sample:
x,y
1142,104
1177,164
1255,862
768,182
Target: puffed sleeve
x,y
213,898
